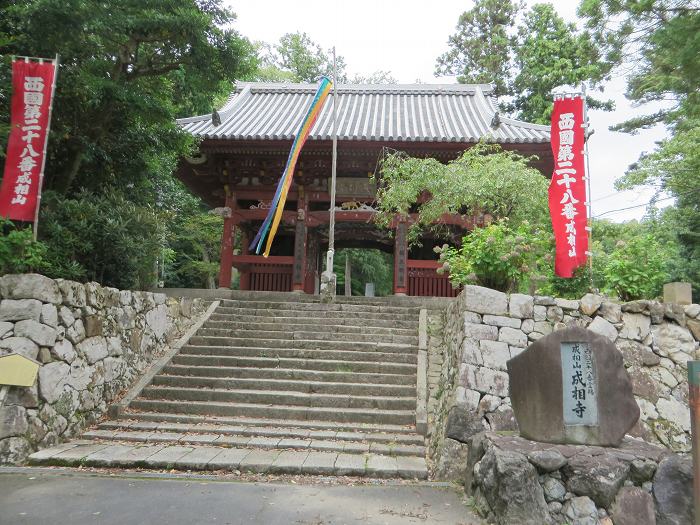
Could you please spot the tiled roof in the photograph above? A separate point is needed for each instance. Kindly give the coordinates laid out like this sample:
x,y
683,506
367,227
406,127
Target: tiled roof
x,y
401,113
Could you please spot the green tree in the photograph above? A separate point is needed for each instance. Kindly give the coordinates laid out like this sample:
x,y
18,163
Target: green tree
x,y
480,51
485,179
525,57
657,43
297,58
194,241
378,77
128,68
550,53
674,169
105,238
191,254
368,266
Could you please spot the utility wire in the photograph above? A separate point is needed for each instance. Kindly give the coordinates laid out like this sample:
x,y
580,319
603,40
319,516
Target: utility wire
x,y
635,206
639,193
694,191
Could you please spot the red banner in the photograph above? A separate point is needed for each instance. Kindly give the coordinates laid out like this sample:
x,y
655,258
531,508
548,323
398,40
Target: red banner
x,y
32,91
567,190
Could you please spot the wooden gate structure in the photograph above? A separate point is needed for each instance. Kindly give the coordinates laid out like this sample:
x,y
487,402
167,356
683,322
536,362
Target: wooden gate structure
x,y
245,144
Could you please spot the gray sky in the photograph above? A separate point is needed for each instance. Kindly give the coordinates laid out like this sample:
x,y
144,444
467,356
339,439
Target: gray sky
x,y
406,36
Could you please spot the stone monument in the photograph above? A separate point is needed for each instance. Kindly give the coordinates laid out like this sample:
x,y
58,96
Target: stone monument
x,y
572,387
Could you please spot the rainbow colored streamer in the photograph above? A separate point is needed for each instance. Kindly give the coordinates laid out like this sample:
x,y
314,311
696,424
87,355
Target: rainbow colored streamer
x,y
272,221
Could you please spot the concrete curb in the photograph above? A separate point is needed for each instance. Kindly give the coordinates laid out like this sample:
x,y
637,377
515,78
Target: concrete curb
x,y
422,375
117,409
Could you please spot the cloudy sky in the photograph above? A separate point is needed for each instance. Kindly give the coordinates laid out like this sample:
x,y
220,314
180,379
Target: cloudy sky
x,y
406,36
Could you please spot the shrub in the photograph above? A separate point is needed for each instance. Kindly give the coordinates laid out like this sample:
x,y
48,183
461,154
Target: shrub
x,y
18,251
104,238
636,268
194,240
499,256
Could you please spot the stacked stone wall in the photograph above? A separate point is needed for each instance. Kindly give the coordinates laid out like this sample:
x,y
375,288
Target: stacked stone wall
x,y
482,329
514,481
92,343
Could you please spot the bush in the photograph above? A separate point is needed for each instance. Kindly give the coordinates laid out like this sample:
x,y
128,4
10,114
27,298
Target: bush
x,y
18,251
580,284
103,238
499,256
194,240
636,269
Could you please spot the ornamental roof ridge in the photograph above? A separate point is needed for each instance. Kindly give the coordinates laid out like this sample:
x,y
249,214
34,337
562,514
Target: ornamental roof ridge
x,y
343,88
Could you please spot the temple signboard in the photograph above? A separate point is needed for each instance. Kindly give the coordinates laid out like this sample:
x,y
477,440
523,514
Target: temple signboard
x,y
580,399
356,186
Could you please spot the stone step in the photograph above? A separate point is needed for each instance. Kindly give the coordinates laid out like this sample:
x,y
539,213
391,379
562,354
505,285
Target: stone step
x,y
388,300
277,431
299,353
260,442
318,335
327,314
290,375
298,320
107,454
326,327
317,387
285,398
320,307
219,408
160,418
300,364
198,340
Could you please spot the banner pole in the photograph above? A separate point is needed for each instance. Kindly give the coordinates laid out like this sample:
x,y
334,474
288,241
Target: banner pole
x,y
331,222
46,142
589,209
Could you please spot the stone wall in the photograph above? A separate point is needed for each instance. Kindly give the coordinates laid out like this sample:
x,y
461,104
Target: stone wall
x,y
484,328
513,481
92,343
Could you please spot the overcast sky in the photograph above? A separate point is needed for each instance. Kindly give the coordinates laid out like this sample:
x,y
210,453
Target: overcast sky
x,y
406,36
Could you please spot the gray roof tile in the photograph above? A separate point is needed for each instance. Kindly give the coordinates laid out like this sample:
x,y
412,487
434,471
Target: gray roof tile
x,y
402,112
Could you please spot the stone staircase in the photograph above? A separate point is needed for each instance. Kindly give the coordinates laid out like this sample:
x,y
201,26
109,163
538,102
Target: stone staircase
x,y
276,384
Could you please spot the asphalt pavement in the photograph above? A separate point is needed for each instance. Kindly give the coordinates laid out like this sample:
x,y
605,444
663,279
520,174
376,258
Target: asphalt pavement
x,y
30,496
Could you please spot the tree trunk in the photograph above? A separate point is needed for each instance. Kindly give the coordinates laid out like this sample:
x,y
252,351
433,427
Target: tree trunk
x,y
64,183
211,283
348,275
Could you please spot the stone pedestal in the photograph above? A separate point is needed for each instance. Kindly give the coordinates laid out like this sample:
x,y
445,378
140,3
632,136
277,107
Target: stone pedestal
x,y
328,284
515,481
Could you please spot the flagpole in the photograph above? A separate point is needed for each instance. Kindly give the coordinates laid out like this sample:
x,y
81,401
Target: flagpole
x,y
331,224
586,134
46,142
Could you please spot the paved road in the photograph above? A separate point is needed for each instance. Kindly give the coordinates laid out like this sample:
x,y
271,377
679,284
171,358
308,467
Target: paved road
x,y
43,496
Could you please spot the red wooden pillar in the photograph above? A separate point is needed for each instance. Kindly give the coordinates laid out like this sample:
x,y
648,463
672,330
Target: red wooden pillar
x,y
401,259
226,261
311,277
300,244
244,282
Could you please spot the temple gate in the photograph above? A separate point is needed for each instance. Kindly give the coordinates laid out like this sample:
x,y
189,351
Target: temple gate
x,y
244,148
